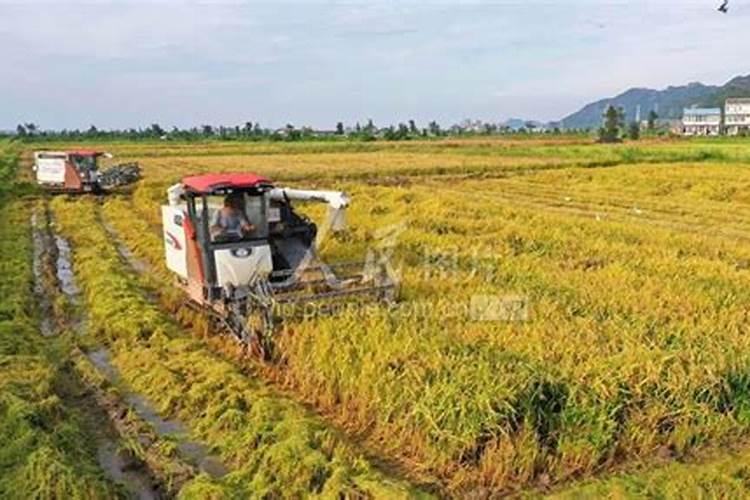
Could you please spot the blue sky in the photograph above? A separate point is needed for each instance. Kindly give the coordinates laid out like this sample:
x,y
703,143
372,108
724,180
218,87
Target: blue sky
x,y
123,64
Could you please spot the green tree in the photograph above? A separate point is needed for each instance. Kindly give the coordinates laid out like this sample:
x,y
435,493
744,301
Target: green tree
x,y
156,130
402,132
634,131
340,128
652,117
434,128
614,119
292,133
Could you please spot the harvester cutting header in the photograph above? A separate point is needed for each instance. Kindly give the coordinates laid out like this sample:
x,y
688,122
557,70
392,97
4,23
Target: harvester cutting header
x,y
238,249
78,171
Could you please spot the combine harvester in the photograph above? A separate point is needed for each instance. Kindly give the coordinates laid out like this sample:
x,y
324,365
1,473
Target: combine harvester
x,y
241,253
78,172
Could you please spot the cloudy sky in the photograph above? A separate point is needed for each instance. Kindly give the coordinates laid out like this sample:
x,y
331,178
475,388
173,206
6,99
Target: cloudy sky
x,y
132,63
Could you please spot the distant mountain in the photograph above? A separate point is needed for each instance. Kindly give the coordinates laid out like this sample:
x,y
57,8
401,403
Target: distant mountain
x,y
668,103
736,87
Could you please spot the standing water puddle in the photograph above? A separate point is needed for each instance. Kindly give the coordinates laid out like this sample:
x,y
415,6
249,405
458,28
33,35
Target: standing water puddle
x,y
41,247
65,269
137,483
120,470
137,264
194,452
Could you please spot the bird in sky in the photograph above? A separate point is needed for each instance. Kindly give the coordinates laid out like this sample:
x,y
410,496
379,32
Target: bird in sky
x,y
724,7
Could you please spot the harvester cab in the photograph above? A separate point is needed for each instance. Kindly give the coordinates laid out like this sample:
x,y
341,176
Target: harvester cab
x,y
78,171
240,250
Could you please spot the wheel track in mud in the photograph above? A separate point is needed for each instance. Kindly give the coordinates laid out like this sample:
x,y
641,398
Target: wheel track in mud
x,y
89,400
107,415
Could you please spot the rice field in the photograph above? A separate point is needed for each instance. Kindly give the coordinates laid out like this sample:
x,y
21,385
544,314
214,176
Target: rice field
x,y
621,369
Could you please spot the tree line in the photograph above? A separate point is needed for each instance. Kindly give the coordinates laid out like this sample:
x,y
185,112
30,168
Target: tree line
x,y
254,131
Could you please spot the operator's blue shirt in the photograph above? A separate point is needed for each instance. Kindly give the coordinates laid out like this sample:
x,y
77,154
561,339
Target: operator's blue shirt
x,y
230,220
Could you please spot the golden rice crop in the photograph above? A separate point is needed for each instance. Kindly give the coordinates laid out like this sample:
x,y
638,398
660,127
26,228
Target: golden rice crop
x,y
336,160
635,340
635,276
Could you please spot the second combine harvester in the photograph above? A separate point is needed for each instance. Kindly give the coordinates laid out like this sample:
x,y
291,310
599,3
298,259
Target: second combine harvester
x,y
77,172
242,274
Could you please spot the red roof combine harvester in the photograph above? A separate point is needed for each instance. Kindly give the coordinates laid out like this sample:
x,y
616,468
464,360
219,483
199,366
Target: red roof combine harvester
x,y
77,171
239,251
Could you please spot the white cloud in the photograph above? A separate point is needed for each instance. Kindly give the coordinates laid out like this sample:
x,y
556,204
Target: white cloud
x,y
131,63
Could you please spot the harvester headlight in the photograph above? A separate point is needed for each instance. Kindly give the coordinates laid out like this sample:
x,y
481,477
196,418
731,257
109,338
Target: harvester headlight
x,y
241,252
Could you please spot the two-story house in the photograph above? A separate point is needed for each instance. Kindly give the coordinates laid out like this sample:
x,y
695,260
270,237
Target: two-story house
x,y
701,121
737,115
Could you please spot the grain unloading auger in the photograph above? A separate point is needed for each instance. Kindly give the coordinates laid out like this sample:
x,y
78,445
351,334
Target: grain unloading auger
x,y
242,253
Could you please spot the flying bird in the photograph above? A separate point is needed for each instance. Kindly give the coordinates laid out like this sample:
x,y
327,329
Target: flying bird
x,y
724,7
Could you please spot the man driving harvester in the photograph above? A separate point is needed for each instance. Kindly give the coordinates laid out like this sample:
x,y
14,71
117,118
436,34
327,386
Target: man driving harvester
x,y
231,221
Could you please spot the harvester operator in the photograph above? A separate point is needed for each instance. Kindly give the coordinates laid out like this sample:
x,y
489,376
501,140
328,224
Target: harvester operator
x,y
231,221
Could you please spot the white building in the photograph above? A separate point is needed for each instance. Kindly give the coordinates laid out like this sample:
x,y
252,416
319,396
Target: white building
x,y
737,115
701,121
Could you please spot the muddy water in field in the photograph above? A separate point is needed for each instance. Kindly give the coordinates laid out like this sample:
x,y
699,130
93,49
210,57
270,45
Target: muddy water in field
x,y
194,452
41,247
137,264
116,466
121,470
65,270
67,281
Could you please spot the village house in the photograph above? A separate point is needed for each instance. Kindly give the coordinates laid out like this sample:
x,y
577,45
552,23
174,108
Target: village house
x,y
701,121
737,116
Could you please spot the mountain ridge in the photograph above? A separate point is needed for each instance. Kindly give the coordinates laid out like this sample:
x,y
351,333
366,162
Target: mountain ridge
x,y
668,102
